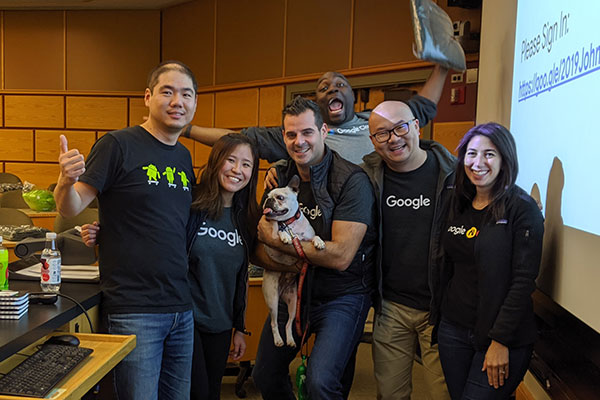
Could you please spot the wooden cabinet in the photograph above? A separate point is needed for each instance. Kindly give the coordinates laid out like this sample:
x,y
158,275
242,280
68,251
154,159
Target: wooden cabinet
x,y
256,314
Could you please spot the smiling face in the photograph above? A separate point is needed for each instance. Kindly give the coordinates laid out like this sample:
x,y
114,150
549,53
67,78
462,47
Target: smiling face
x,y
171,103
235,172
281,204
335,98
304,140
482,163
401,154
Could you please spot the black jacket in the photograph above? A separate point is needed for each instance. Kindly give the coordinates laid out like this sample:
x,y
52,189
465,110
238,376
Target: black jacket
x,y
328,179
507,253
374,166
249,238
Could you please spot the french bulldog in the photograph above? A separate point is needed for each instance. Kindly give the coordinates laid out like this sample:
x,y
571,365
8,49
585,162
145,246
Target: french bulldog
x,y
282,205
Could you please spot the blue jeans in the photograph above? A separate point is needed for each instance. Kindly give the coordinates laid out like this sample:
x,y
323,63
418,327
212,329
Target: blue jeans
x,y
337,325
462,365
161,363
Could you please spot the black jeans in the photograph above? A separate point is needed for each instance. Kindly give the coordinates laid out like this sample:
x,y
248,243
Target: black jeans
x,y
211,351
462,365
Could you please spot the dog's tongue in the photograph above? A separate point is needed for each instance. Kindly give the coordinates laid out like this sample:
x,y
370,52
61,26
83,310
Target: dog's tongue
x,y
267,211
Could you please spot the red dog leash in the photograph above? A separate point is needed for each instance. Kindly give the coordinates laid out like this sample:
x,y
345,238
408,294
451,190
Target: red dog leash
x,y
284,225
300,251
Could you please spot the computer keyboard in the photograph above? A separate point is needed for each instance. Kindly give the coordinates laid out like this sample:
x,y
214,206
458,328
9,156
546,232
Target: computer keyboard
x,y
39,373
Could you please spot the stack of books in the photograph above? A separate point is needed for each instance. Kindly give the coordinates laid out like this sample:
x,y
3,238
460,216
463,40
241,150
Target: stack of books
x,y
13,305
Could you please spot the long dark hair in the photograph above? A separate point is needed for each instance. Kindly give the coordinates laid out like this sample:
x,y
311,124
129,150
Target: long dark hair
x,y
207,193
465,191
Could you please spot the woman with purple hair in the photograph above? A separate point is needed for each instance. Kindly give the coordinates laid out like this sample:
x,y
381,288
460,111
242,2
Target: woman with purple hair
x,y
492,243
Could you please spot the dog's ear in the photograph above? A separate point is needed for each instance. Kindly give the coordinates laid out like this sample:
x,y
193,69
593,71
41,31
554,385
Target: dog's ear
x,y
294,183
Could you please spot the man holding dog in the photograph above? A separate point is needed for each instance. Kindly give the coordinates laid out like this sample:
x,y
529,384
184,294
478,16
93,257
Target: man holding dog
x,y
412,180
341,279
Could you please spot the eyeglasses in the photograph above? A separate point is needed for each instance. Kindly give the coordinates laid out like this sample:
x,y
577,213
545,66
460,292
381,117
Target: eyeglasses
x,y
399,130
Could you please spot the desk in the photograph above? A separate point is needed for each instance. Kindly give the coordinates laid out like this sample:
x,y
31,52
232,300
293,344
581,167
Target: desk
x,y
10,246
109,350
41,319
43,219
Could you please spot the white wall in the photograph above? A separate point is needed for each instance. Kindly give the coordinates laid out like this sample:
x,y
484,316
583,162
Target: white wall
x,y
498,20
570,271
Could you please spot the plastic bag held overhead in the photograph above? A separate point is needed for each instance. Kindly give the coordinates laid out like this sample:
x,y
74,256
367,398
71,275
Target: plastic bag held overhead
x,y
434,36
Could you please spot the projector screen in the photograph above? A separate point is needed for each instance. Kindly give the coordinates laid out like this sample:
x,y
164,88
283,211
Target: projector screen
x,y
538,75
556,84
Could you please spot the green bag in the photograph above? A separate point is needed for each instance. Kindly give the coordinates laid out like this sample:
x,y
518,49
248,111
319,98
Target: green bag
x,y
39,200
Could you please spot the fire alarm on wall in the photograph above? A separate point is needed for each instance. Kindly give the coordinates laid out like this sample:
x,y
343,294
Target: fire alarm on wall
x,y
457,95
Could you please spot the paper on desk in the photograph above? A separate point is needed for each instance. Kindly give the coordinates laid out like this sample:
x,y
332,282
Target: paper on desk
x,y
87,272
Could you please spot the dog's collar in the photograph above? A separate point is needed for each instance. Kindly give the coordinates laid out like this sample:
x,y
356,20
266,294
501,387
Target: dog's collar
x,y
292,219
285,226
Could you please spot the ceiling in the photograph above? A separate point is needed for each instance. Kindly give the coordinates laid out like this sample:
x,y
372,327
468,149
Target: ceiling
x,y
88,4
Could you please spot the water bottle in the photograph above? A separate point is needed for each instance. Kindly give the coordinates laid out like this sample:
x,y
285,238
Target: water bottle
x,y
51,260
301,380
3,267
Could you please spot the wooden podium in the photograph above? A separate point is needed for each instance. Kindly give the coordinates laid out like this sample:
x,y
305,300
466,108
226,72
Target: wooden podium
x,y
109,350
39,323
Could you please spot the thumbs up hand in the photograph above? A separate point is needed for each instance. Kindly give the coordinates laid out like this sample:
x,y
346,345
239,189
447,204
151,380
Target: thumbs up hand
x,y
72,163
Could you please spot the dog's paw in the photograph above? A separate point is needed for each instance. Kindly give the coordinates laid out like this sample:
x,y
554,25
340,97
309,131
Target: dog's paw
x,y
285,237
290,342
278,341
318,243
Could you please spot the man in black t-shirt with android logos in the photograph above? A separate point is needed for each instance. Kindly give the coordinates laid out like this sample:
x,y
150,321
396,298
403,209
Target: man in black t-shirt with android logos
x,y
411,179
142,177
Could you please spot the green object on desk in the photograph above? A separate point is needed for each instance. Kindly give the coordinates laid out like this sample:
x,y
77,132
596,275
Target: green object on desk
x,y
39,200
3,267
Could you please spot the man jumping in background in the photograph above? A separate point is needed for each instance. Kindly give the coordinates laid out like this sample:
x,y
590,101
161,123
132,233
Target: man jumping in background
x,y
348,131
